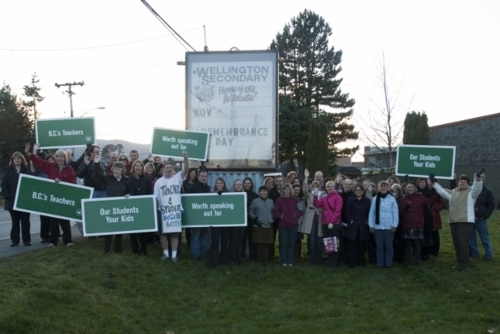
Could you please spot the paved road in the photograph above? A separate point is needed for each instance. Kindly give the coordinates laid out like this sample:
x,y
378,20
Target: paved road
x,y
6,225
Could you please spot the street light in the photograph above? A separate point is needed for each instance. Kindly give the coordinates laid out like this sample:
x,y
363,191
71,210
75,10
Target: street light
x,y
100,108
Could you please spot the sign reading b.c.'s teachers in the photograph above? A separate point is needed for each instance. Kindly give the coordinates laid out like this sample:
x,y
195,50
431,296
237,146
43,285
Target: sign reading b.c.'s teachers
x,y
55,133
422,160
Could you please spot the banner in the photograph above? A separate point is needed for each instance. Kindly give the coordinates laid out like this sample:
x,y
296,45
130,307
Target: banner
x,y
119,215
204,210
46,197
171,143
62,132
421,160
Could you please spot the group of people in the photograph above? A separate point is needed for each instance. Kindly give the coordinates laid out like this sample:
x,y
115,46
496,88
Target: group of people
x,y
388,221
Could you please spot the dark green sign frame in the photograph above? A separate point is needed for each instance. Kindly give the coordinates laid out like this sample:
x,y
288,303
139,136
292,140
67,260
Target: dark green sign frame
x,y
63,132
171,143
422,160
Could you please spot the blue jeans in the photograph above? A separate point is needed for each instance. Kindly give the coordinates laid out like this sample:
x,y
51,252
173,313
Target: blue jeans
x,y
385,252
198,245
315,244
287,244
482,229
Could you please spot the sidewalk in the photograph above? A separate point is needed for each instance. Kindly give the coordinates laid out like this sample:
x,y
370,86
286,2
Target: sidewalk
x,y
6,250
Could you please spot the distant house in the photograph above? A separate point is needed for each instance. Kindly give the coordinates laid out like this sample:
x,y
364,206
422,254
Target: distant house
x,y
477,145
377,161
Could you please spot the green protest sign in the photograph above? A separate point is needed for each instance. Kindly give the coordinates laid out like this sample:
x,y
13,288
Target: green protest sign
x,y
422,160
119,215
54,133
46,197
172,143
204,210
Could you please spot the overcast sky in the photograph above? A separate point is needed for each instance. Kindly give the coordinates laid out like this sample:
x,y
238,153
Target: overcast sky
x,y
445,53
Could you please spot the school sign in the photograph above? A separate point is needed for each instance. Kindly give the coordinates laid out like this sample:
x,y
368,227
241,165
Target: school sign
x,y
422,160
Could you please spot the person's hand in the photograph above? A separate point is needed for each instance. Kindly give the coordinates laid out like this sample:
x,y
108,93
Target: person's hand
x,y
306,173
36,146
372,230
127,195
86,160
27,147
432,177
393,230
150,155
338,178
480,172
184,154
57,180
314,192
330,226
407,178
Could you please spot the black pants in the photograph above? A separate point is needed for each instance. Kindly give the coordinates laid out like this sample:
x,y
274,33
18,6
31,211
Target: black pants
x,y
44,227
355,253
107,243
236,240
333,232
54,230
135,238
20,224
219,246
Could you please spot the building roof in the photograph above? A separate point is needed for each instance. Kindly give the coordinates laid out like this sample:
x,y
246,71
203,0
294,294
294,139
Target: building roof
x,y
465,121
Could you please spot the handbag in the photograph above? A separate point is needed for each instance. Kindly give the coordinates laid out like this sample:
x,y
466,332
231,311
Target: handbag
x,y
331,245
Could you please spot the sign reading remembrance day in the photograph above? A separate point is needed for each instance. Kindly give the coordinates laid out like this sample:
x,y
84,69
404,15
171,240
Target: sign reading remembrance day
x,y
234,97
172,143
203,210
55,133
422,160
119,215
46,197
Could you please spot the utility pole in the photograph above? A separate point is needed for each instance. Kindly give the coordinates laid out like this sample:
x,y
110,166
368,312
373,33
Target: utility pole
x,y
70,92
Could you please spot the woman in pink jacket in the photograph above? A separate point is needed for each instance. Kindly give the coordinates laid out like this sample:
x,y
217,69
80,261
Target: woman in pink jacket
x,y
332,209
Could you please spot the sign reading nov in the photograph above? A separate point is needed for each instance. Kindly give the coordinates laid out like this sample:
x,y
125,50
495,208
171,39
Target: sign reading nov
x,y
422,160
119,215
55,133
46,197
203,210
172,143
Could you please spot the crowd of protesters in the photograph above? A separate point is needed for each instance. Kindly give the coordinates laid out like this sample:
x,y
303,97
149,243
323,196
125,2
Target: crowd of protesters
x,y
344,220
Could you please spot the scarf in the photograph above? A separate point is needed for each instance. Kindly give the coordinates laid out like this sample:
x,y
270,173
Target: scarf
x,y
377,206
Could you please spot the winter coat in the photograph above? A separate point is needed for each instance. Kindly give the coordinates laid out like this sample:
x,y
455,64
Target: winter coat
x,y
114,187
345,197
485,204
388,214
65,174
411,207
461,202
285,211
263,210
332,208
357,219
9,184
140,186
89,175
199,187
436,212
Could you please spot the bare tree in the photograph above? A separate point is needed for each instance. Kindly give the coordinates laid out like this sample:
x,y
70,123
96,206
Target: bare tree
x,y
383,124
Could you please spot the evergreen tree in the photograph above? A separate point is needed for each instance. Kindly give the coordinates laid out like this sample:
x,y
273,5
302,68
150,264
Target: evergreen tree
x,y
416,128
308,78
317,145
15,125
33,93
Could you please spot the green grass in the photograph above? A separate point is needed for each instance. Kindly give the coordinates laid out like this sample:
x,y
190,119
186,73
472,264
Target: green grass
x,y
80,290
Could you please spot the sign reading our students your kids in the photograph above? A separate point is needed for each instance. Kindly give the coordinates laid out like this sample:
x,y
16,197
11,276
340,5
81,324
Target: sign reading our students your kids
x,y
203,210
171,143
55,133
46,197
119,215
422,160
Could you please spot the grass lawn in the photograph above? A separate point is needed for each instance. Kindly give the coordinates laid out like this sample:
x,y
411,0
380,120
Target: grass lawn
x,y
81,290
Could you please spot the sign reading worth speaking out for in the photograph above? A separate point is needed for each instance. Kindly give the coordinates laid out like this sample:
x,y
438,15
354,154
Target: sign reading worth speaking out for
x,y
422,160
46,197
172,143
204,210
55,133
119,215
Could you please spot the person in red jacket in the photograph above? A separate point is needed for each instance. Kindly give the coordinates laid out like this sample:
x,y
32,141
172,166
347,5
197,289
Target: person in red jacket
x,y
287,214
59,172
411,209
332,210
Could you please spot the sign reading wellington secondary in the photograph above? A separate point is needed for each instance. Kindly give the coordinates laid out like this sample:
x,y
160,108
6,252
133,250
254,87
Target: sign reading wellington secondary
x,y
119,215
55,133
422,160
203,210
46,197
172,143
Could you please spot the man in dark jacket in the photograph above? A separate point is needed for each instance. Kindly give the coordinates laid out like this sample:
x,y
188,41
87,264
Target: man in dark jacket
x,y
199,235
483,208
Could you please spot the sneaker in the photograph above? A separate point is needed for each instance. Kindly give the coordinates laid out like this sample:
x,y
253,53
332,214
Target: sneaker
x,y
14,245
27,243
290,265
51,245
284,264
165,257
69,244
174,259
